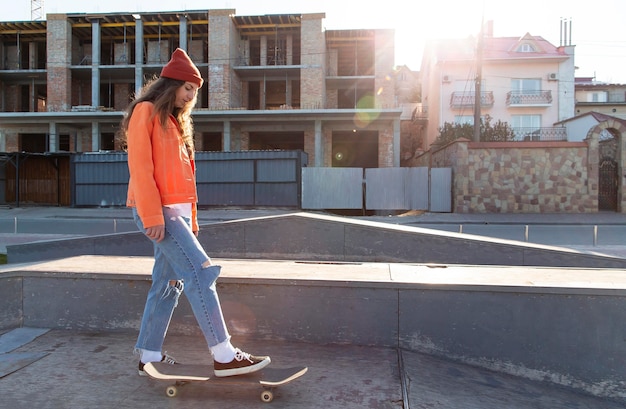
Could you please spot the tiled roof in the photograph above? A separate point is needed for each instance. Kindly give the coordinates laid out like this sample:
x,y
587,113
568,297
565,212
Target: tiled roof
x,y
496,48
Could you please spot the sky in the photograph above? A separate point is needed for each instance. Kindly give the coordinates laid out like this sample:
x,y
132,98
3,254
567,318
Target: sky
x,y
597,27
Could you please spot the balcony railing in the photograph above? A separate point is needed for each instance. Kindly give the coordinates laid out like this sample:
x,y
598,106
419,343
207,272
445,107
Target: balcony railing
x,y
525,98
420,113
558,133
460,99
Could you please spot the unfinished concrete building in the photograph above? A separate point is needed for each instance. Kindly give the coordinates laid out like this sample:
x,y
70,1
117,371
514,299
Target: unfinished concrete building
x,y
272,82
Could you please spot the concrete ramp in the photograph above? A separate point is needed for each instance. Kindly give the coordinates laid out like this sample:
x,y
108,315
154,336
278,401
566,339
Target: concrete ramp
x,y
308,236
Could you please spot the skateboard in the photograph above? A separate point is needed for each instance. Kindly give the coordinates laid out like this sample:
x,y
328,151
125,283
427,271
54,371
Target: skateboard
x,y
182,374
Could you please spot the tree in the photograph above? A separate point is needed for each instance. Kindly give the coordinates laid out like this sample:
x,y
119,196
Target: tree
x,y
498,132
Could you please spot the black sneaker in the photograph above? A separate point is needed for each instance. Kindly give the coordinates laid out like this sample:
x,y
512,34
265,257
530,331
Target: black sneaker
x,y
166,359
242,364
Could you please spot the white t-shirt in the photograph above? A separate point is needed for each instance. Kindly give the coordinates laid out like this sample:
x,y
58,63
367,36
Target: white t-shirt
x,y
183,209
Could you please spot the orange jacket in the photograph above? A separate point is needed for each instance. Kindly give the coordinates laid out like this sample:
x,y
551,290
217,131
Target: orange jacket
x,y
161,172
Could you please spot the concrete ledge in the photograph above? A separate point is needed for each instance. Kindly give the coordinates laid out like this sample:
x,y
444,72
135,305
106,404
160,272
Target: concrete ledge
x,y
306,236
542,323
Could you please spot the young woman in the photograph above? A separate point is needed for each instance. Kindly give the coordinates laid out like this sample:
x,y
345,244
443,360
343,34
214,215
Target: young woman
x,y
158,134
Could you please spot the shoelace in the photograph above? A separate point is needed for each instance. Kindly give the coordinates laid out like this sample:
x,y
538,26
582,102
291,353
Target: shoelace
x,y
168,359
240,355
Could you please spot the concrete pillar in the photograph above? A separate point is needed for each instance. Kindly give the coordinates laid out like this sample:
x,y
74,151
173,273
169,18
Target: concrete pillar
x,y
182,36
78,141
95,63
226,141
288,92
95,136
138,54
319,149
396,143
32,97
53,139
290,49
263,50
32,56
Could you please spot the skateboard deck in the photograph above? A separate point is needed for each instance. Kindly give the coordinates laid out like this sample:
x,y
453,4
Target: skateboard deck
x,y
181,374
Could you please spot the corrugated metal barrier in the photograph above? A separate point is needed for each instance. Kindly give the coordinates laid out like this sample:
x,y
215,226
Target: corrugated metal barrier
x,y
247,178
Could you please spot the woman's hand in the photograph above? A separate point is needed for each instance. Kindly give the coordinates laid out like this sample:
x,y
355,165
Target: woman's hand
x,y
156,233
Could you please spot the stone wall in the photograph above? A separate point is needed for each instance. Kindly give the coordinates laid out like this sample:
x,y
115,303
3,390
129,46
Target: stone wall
x,y
515,177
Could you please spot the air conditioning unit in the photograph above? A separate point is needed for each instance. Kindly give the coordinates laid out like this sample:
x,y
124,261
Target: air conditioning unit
x,y
552,76
445,78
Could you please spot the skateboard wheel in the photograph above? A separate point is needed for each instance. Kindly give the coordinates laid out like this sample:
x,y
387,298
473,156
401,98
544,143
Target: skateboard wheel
x,y
267,396
171,391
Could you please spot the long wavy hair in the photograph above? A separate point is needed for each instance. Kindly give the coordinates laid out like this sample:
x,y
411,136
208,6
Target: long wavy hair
x,y
162,93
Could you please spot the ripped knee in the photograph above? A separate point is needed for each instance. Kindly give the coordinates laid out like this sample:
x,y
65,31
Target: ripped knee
x,y
178,284
207,264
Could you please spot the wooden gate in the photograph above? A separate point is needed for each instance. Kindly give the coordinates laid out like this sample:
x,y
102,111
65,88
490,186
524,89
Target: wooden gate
x,y
37,179
607,195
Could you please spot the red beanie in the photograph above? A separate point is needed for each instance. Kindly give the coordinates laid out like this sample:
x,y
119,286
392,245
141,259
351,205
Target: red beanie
x,y
180,67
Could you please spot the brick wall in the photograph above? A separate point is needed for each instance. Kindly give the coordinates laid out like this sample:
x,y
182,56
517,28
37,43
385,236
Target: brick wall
x,y
12,98
385,148
59,47
312,84
81,92
158,52
219,81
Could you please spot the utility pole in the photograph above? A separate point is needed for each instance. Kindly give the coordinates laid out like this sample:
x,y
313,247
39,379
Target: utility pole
x,y
477,83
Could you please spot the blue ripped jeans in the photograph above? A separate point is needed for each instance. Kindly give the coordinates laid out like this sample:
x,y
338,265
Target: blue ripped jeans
x,y
178,260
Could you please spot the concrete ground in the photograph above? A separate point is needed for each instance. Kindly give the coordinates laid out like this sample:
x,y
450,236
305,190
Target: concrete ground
x,y
98,370
69,369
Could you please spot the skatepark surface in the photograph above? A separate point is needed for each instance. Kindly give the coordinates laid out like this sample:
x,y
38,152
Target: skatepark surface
x,y
98,370
59,368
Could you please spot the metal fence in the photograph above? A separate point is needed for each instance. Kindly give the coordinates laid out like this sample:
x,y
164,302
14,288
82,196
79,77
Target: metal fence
x,y
247,178
99,179
250,178
377,189
266,178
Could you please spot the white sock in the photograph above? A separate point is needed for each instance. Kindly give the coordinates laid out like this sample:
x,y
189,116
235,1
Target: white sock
x,y
223,352
150,356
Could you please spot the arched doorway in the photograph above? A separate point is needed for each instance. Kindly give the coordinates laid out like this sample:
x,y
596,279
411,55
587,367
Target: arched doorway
x,y
608,179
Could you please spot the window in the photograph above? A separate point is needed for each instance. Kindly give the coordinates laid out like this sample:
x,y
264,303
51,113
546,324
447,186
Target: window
x,y
526,86
464,119
526,121
526,48
526,126
598,96
64,142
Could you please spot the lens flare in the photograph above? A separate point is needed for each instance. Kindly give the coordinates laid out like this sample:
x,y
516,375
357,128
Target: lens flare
x,y
365,114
